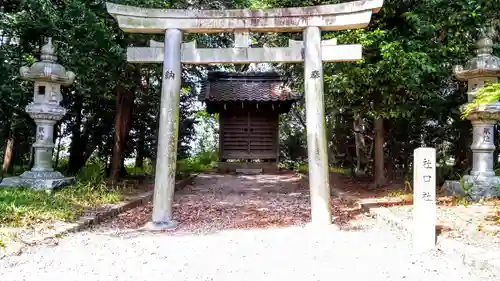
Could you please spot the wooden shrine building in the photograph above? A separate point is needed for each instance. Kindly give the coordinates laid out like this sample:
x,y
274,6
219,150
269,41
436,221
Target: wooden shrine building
x,y
249,105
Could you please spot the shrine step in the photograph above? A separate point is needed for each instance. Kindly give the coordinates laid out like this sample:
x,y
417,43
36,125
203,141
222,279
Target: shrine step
x,y
249,171
232,167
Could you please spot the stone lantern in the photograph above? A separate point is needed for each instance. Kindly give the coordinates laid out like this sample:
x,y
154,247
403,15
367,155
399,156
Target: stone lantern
x,y
48,76
478,72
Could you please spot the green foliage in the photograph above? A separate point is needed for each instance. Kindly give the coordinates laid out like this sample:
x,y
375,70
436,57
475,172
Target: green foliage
x,y
89,43
405,77
16,170
484,96
146,169
302,168
202,162
446,172
466,198
93,173
340,170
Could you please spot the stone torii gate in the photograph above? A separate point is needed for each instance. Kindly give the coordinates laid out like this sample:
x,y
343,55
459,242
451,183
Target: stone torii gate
x,y
312,51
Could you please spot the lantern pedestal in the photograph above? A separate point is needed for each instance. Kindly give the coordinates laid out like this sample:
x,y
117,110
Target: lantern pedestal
x,y
482,181
43,180
476,187
42,176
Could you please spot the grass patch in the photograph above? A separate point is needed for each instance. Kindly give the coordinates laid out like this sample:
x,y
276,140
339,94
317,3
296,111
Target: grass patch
x,y
146,169
304,169
199,163
202,162
23,207
397,193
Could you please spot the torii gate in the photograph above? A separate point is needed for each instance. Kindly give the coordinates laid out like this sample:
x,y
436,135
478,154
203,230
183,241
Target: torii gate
x,y
312,51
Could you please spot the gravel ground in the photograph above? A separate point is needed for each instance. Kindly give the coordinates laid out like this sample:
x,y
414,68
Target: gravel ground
x,y
364,248
374,252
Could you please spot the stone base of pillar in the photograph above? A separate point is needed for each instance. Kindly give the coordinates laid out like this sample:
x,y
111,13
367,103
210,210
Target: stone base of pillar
x,y
160,226
321,227
39,180
476,187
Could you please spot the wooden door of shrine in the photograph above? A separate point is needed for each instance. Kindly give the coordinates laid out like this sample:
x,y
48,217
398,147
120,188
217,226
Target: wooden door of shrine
x,y
248,135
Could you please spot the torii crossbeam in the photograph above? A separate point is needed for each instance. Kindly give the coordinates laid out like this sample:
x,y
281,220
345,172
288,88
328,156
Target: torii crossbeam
x,y
294,53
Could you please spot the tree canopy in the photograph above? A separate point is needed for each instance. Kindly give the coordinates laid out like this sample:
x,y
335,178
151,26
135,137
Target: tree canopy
x,y
400,96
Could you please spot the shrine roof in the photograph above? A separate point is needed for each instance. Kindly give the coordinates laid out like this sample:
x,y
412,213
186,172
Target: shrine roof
x,y
246,86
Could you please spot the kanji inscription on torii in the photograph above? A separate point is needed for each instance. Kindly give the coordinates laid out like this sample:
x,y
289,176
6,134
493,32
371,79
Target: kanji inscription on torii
x,y
169,74
315,74
424,199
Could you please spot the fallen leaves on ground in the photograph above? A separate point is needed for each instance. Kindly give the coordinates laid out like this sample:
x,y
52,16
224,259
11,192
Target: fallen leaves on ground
x,y
394,194
457,215
218,202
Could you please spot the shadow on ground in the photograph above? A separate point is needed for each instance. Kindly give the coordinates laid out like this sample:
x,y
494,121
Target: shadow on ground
x,y
396,193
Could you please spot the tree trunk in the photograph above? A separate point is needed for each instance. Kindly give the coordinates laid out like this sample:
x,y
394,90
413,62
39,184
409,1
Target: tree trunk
x,y
58,152
359,139
139,158
76,147
462,149
393,171
31,163
496,152
330,122
155,143
57,140
84,143
124,104
380,179
7,156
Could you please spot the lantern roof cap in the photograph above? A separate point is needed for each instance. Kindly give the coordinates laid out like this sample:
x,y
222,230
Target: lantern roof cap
x,y
47,69
484,64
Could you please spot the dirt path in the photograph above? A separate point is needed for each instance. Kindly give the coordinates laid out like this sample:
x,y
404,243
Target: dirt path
x,y
217,202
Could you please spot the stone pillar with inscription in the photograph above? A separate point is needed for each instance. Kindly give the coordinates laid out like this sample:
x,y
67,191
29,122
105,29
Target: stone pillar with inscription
x,y
48,76
424,199
168,133
316,129
480,70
